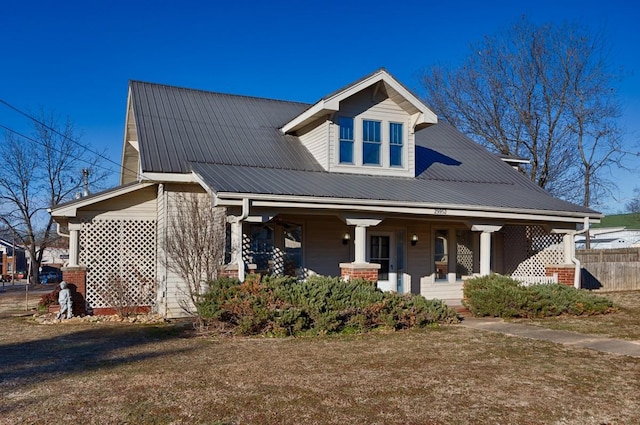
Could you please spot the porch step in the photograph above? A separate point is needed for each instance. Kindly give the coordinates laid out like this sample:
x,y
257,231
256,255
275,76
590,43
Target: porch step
x,y
462,311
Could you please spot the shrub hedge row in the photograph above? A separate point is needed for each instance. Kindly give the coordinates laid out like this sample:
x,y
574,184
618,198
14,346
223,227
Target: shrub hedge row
x,y
319,305
501,296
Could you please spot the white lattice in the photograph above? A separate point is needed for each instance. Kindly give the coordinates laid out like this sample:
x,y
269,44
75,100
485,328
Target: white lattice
x,y
123,251
528,249
464,254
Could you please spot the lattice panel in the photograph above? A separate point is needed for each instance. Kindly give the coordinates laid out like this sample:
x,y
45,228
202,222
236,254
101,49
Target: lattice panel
x,y
528,249
464,253
119,254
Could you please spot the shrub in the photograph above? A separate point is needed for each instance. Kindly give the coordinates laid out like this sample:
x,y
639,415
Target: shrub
x,y
48,299
318,305
501,296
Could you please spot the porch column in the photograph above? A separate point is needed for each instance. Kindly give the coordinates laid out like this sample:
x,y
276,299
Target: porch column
x,y
568,273
236,246
360,242
74,244
359,268
485,245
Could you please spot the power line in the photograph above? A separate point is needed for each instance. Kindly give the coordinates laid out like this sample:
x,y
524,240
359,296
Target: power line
x,y
32,118
52,148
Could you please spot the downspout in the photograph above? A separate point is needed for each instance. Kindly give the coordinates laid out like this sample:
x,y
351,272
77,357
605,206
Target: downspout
x,y
578,270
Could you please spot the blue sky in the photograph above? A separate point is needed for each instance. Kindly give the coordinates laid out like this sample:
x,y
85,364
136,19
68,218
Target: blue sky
x,y
77,57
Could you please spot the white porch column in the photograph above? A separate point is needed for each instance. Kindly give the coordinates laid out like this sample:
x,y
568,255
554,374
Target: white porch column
x,y
74,244
360,242
236,245
569,247
485,245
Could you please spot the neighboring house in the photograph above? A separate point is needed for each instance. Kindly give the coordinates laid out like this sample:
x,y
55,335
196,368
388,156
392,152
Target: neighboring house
x,y
610,238
10,265
364,183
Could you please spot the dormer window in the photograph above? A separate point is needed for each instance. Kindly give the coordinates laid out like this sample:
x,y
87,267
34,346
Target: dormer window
x,y
367,143
395,144
346,140
371,142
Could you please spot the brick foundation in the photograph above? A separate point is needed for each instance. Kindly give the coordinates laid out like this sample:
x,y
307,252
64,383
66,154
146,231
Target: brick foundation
x,y
566,273
366,271
76,278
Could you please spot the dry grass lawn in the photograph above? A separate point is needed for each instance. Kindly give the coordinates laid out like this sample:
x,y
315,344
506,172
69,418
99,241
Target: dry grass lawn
x,y
107,373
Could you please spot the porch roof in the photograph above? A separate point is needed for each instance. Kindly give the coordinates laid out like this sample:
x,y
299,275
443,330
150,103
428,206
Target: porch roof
x,y
308,186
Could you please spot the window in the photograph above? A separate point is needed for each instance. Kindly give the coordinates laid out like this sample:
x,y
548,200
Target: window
x,y
395,144
371,142
346,140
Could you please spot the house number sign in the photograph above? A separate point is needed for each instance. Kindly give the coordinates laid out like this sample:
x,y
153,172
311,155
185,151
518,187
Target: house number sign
x,y
440,211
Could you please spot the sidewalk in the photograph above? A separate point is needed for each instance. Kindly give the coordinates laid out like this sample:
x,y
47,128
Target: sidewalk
x,y
604,344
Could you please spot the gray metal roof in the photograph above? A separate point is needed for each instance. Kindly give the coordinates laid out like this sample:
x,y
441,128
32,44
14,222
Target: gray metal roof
x,y
234,144
177,125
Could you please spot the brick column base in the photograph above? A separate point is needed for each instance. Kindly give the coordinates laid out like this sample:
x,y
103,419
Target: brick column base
x,y
231,270
566,272
366,271
76,278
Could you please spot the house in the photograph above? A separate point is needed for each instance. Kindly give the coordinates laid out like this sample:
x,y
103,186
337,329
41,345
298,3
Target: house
x,y
11,263
613,231
366,182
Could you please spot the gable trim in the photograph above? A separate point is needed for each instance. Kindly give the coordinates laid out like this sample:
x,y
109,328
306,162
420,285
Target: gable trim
x,y
331,103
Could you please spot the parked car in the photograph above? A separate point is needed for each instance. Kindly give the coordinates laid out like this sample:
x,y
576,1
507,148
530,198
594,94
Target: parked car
x,y
50,277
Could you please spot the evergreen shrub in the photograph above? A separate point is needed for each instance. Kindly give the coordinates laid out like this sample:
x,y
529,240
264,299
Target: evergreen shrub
x,y
501,296
319,305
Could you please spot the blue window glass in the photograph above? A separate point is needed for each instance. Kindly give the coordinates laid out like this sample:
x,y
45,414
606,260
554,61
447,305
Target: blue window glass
x,y
395,144
346,140
371,142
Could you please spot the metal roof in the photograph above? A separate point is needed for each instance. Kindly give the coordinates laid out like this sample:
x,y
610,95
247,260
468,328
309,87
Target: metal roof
x,y
177,125
234,144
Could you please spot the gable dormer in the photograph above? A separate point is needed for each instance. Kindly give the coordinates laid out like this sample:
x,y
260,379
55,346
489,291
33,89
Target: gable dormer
x,y
367,127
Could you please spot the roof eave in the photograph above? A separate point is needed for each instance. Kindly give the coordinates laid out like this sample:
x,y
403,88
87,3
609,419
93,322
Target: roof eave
x,y
437,210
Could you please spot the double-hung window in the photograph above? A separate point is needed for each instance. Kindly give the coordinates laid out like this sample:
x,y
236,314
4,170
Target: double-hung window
x,y
371,142
395,144
346,140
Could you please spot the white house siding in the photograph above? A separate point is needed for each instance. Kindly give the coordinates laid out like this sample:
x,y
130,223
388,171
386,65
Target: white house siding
x,y
117,241
367,105
323,250
315,137
177,302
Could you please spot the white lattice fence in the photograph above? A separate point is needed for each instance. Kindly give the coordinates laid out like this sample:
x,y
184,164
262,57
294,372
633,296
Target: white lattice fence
x,y
528,249
119,250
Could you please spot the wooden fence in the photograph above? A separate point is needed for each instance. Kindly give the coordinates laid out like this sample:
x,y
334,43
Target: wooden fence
x,y
610,269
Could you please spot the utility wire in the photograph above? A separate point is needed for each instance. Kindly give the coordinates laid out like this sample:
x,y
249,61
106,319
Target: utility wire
x,y
52,148
32,118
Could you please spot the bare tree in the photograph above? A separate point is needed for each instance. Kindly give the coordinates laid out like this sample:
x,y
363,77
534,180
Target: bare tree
x,y
194,245
545,93
39,172
633,206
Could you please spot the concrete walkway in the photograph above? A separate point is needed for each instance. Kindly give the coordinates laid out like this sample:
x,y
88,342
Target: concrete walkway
x,y
607,345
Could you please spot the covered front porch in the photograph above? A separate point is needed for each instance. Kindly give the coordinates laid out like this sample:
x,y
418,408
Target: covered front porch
x,y
429,256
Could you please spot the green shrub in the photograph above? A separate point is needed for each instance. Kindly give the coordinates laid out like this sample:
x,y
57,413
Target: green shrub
x,y
318,305
501,296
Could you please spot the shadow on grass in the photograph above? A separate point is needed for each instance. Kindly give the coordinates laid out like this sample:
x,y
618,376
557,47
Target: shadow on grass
x,y
102,347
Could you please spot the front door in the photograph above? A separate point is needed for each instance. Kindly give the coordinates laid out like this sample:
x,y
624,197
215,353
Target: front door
x,y
380,252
